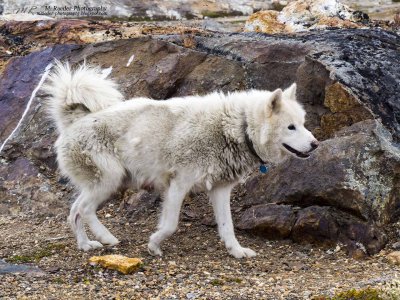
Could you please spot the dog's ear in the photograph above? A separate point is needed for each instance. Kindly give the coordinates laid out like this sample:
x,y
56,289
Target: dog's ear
x,y
275,101
290,92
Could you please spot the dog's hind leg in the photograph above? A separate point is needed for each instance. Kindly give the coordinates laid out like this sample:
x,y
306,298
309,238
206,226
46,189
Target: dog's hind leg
x,y
77,226
170,213
220,199
87,209
93,193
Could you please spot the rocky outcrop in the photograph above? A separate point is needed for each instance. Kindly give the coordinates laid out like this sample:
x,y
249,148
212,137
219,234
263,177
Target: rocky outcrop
x,y
348,81
136,10
357,173
304,15
314,224
301,15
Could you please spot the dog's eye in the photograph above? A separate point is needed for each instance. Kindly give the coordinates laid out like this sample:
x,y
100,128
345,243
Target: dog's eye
x,y
291,127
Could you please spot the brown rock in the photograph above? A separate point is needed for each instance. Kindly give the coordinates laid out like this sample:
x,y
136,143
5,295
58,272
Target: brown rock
x,y
333,122
339,99
315,224
357,172
345,110
139,203
270,220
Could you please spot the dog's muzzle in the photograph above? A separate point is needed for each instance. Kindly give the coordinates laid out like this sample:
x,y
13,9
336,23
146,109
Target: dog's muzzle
x,y
314,145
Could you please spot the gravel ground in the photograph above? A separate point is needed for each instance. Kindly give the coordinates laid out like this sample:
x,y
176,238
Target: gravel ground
x,y
195,264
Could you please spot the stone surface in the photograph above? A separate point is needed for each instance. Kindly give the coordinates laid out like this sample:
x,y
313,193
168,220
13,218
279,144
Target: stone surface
x,y
6,268
16,91
343,76
139,203
318,224
314,224
270,220
396,246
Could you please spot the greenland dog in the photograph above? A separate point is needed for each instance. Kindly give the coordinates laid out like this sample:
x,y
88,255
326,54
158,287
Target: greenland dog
x,y
209,142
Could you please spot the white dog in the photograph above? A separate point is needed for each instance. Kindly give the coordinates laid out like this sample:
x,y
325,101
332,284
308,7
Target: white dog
x,y
209,141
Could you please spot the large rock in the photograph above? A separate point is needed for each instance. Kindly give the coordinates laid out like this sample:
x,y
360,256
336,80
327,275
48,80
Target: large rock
x,y
357,171
348,81
314,224
347,191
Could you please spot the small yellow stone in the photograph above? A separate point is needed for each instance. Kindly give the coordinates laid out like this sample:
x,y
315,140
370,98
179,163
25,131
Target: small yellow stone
x,y
394,257
123,264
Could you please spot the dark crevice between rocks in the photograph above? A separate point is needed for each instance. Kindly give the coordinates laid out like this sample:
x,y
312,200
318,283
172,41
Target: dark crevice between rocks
x,y
201,47
393,209
312,78
321,225
305,200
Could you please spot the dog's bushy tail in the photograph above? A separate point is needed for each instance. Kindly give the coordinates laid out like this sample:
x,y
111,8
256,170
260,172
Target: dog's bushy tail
x,y
76,93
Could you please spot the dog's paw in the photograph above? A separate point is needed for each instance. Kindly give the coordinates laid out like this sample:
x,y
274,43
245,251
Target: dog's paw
x,y
240,252
90,245
109,240
154,249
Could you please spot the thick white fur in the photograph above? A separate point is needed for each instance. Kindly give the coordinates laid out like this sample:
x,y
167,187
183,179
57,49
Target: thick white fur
x,y
85,86
174,145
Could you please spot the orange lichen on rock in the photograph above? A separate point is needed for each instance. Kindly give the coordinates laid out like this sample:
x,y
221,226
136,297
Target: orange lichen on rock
x,y
303,15
265,21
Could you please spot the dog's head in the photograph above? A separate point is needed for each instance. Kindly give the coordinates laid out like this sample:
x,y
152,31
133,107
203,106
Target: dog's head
x,y
284,125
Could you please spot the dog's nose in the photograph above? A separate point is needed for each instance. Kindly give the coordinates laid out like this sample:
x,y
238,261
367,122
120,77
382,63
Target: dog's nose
x,y
314,144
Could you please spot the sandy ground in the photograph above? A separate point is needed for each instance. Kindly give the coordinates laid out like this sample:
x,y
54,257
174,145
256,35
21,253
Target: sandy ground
x,y
195,264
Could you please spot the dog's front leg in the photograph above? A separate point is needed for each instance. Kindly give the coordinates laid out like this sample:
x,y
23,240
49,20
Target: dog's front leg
x,y
170,214
220,199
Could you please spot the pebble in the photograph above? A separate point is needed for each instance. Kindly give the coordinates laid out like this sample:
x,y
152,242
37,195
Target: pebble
x,y
394,257
396,246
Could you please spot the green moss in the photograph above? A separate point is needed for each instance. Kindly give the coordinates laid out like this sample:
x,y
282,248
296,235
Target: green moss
x,y
58,280
234,279
37,255
216,282
20,259
353,294
96,268
56,246
367,294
